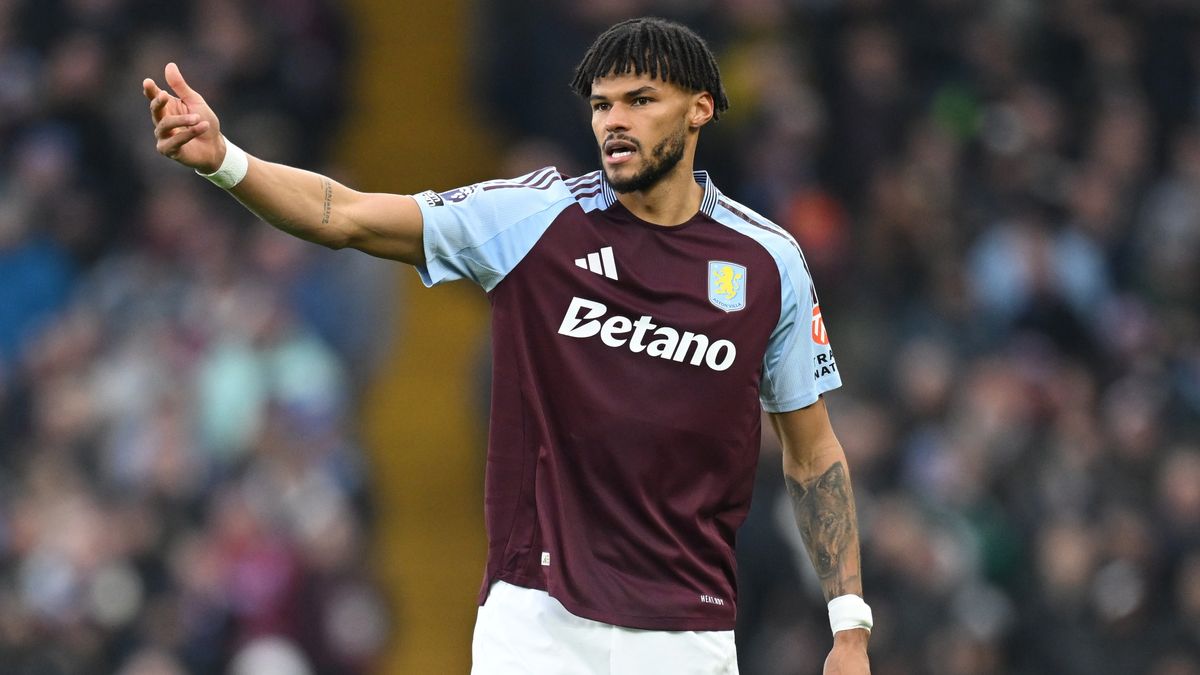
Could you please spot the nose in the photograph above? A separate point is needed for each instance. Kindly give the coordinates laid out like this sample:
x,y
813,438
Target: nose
x,y
615,120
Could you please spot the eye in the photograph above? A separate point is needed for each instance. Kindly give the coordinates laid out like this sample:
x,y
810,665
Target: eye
x,y
642,100
601,106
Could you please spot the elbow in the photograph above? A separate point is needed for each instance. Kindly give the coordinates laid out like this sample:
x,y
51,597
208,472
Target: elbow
x,y
337,236
335,242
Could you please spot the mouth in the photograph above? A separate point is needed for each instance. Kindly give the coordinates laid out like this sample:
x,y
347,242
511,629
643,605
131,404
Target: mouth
x,y
617,151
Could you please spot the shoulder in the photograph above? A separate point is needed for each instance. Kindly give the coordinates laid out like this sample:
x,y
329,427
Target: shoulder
x,y
768,234
591,191
544,186
542,179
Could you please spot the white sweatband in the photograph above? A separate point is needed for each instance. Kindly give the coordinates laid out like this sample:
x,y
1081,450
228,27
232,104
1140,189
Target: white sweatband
x,y
847,612
233,167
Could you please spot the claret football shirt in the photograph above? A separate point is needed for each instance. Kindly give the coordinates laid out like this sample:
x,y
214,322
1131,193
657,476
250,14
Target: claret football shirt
x,y
630,361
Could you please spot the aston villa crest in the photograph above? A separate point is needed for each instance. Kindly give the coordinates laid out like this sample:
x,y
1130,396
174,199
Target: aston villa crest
x,y
726,285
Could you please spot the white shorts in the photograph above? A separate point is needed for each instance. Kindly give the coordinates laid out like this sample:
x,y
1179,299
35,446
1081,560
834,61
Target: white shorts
x,y
523,631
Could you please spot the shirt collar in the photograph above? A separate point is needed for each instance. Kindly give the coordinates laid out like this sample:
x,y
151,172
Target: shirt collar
x,y
707,204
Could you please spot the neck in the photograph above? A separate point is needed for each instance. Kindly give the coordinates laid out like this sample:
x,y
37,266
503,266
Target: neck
x,y
671,201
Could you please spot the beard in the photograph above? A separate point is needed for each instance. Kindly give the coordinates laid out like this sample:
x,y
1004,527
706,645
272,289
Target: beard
x,y
662,161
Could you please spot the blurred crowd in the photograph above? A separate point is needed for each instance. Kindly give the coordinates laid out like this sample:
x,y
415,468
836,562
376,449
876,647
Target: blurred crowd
x,y
181,487
1000,204
999,201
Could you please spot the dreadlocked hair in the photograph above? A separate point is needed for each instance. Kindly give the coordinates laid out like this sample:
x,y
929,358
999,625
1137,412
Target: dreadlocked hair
x,y
655,47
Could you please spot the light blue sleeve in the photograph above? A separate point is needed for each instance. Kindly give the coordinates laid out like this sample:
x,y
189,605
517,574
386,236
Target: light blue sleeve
x,y
482,231
798,366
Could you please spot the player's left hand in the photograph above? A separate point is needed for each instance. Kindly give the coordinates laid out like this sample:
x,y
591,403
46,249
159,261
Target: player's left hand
x,y
849,654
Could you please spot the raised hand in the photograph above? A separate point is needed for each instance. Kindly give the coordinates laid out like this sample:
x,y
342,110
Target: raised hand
x,y
187,130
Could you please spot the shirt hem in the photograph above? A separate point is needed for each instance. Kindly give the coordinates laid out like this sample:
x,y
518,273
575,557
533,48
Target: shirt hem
x,y
661,623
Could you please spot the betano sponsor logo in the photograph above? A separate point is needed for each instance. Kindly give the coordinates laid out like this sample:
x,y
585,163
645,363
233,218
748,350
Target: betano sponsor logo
x,y
583,320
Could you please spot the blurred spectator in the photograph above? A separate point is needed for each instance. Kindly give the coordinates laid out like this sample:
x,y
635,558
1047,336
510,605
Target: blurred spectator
x,y
998,202
181,489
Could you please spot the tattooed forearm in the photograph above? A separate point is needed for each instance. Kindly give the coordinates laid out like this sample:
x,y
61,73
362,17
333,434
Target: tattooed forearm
x,y
328,186
824,508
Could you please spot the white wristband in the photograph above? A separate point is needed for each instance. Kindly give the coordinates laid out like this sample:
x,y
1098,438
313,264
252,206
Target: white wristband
x,y
233,167
847,612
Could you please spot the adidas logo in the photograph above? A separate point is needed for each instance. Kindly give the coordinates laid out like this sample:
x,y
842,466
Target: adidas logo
x,y
600,262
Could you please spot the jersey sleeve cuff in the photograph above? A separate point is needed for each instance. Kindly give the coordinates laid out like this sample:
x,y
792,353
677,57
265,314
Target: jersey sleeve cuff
x,y
433,271
801,400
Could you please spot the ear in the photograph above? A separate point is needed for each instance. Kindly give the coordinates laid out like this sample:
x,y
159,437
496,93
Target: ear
x,y
701,110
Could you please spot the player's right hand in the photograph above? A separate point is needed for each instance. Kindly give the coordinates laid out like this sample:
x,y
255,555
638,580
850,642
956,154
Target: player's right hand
x,y
186,129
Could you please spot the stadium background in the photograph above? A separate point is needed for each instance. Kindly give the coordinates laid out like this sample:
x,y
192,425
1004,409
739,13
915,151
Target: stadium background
x,y
220,446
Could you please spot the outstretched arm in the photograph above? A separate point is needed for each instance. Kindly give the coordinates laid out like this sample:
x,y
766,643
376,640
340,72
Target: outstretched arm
x,y
302,203
818,481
